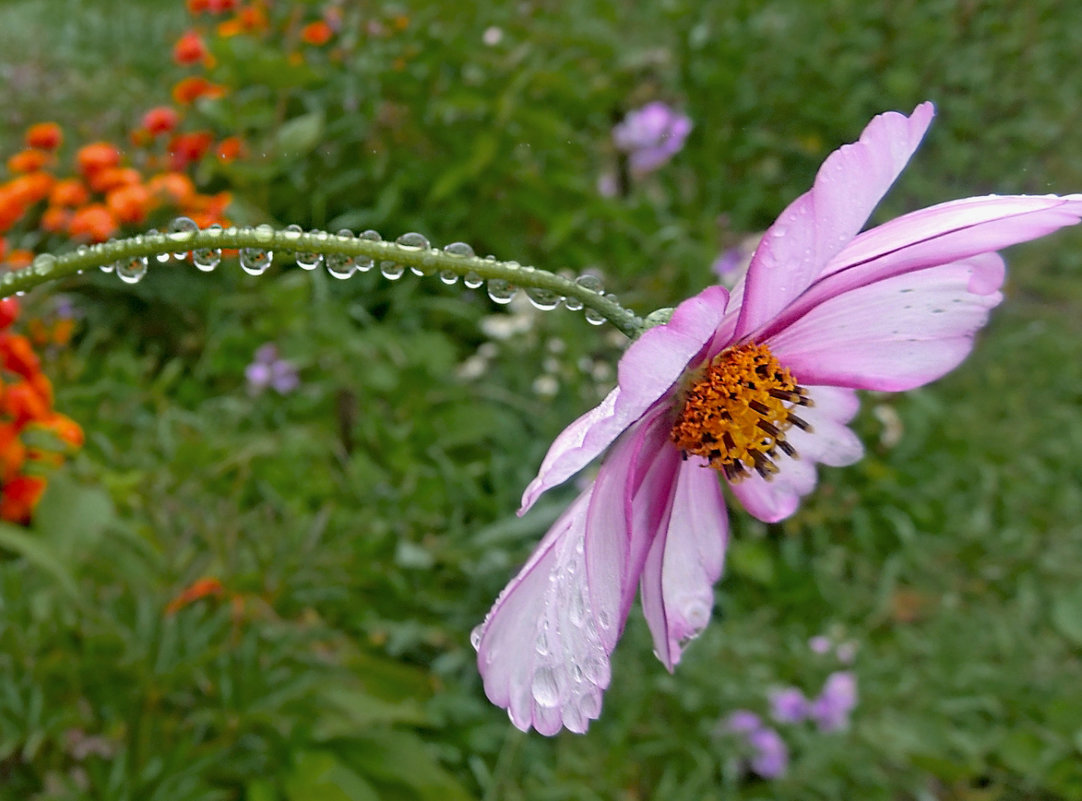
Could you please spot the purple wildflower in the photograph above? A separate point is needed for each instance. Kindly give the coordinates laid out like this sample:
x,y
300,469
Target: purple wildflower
x,y
742,721
819,644
770,756
268,370
837,700
788,705
651,135
743,382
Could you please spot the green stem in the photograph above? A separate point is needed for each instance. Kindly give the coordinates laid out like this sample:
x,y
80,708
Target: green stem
x,y
47,267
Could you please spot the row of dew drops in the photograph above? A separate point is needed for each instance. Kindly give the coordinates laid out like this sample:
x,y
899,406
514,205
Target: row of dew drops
x,y
256,261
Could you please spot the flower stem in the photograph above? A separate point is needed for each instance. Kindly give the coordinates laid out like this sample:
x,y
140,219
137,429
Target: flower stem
x,y
47,267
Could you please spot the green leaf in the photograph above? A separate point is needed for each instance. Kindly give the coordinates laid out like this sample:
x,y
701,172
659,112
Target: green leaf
x,y
1067,615
72,517
40,554
319,775
752,560
299,136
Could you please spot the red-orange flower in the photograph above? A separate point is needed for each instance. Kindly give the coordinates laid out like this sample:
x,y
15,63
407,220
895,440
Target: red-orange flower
x,y
93,223
55,219
66,429
188,90
316,33
12,452
160,120
30,160
112,177
188,147
9,307
19,497
172,187
200,588
96,156
190,49
69,192
129,203
44,135
18,258
28,189
230,148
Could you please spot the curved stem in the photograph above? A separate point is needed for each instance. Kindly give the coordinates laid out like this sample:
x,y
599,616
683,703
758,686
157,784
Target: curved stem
x,y
47,267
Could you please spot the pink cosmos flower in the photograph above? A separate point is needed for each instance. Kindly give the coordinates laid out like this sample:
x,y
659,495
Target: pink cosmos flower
x,y
758,384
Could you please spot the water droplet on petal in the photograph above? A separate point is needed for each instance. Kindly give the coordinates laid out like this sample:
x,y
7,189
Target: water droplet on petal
x,y
542,646
475,636
597,671
500,290
544,688
590,705
132,270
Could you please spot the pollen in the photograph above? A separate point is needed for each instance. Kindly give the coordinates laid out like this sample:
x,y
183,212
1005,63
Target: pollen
x,y
735,410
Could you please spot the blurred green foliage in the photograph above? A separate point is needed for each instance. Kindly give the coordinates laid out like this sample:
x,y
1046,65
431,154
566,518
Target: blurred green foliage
x,y
361,525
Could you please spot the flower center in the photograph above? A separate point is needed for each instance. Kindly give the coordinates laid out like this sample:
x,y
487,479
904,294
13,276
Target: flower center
x,y
736,410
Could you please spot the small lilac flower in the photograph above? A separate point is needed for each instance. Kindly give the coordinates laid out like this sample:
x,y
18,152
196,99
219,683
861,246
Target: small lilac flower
x,y
742,721
743,383
727,262
770,757
651,135
846,652
788,705
267,370
819,644
837,700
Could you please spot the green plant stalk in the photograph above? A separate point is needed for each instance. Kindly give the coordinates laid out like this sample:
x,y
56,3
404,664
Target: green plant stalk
x,y
47,267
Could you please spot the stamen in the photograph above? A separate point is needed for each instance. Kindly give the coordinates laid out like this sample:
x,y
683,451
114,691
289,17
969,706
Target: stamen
x,y
735,411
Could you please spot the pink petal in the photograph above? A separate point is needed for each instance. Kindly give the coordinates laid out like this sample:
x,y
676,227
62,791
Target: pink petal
x,y
539,651
617,533
647,371
685,560
938,235
821,222
895,334
829,442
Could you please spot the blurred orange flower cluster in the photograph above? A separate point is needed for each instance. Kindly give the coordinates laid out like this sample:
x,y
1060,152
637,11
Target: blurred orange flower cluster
x,y
97,194
33,436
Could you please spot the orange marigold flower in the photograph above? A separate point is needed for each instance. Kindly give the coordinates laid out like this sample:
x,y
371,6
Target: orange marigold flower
x,y
188,147
30,160
190,49
112,177
19,497
221,6
316,33
171,187
200,588
66,429
230,148
12,452
9,311
19,258
129,203
69,192
96,156
197,7
12,207
28,189
17,355
55,219
93,223
160,120
44,135
188,90
23,403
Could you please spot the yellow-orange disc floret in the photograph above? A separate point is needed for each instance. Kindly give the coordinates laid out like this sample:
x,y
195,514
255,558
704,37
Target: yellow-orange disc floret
x,y
734,412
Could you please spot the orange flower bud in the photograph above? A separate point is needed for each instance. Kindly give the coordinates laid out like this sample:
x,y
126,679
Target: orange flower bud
x,y
201,588
93,223
230,148
190,89
129,203
160,120
55,219
19,258
171,187
69,192
190,49
97,156
9,310
44,135
316,33
30,160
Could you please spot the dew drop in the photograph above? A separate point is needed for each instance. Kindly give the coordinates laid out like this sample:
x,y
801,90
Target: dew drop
x,y
363,264
574,304
597,671
577,612
501,291
391,270
590,282
131,271
308,260
543,299
542,645
475,636
43,264
473,280
544,687
180,230
341,265
460,249
594,317
255,261
292,232
413,241
107,268
161,258
590,705
449,277
206,259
